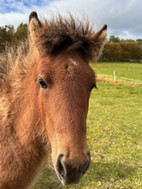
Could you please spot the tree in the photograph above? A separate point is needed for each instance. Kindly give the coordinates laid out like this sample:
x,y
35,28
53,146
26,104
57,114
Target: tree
x,y
124,50
10,31
2,37
114,39
6,36
139,41
127,41
21,33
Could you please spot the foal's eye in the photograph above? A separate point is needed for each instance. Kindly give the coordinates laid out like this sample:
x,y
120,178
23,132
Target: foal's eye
x,y
93,86
42,83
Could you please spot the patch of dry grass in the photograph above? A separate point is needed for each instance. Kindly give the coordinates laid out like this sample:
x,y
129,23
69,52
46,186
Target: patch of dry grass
x,y
111,80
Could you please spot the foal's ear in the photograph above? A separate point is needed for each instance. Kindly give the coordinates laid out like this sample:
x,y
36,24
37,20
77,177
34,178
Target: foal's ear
x,y
34,25
98,41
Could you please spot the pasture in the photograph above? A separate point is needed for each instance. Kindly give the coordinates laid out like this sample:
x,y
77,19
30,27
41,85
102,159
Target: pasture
x,y
114,134
122,69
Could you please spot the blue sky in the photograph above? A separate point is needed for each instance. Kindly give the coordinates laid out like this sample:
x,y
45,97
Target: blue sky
x,y
124,17
9,6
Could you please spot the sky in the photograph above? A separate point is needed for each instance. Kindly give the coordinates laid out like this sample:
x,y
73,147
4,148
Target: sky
x,y
123,17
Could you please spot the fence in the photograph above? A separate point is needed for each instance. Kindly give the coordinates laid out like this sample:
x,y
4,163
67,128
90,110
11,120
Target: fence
x,y
114,78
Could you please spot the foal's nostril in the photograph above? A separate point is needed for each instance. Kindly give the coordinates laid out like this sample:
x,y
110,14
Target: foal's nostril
x,y
86,165
60,167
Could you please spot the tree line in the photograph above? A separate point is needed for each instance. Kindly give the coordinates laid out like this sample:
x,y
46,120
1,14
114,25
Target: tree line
x,y
9,36
116,49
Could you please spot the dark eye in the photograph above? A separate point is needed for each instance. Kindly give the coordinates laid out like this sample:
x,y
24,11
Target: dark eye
x,y
42,83
93,86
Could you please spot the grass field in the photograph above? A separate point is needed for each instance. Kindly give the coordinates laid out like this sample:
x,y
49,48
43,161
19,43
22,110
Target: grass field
x,y
114,136
127,70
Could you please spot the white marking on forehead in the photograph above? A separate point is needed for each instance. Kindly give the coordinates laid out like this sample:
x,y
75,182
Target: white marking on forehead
x,y
74,62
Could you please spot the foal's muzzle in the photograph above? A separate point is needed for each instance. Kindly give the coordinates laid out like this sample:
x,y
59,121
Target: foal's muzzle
x,y
70,172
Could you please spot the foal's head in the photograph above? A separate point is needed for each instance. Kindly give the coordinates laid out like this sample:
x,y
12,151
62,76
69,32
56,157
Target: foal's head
x,y
64,83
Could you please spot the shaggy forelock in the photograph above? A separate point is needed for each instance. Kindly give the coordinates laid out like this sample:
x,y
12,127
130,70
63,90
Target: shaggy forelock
x,y
65,33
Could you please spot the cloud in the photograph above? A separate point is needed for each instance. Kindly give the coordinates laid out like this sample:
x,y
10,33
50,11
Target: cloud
x,y
14,12
123,17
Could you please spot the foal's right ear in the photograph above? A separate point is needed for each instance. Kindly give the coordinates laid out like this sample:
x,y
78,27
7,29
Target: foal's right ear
x,y
34,25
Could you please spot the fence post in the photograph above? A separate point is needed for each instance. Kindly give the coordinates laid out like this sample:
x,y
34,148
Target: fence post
x,y
114,76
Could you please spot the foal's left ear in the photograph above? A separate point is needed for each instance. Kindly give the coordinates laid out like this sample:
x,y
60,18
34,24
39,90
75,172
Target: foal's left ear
x,y
34,25
98,42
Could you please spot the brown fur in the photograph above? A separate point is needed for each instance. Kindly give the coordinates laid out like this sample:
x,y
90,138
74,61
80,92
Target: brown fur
x,y
32,121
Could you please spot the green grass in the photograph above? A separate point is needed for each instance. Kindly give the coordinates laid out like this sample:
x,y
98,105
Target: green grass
x,y
128,70
114,135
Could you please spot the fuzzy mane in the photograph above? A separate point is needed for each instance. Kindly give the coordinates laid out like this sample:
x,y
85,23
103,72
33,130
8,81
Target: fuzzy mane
x,y
12,62
60,33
